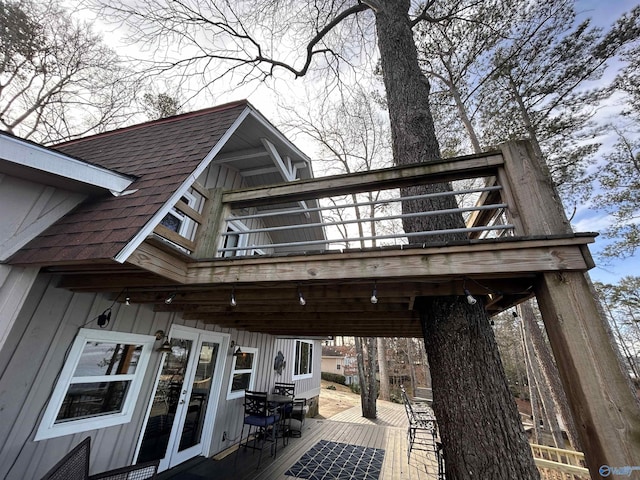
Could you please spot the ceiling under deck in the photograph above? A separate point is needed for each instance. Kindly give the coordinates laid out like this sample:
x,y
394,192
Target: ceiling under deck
x,y
336,287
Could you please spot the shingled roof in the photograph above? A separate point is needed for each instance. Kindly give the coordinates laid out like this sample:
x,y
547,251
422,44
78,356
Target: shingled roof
x,y
162,155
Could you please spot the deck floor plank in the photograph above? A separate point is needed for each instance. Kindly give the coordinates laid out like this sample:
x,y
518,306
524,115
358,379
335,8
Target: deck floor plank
x,y
388,431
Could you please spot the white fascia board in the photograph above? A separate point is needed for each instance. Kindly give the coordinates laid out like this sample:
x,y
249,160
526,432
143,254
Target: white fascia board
x,y
135,242
27,154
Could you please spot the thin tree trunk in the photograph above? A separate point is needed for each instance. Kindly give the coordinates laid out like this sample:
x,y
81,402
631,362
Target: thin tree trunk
x,y
533,391
550,372
479,424
385,393
544,397
366,358
411,364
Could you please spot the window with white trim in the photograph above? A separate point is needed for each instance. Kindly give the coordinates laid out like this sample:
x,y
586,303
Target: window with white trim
x,y
182,224
302,365
243,372
99,383
235,238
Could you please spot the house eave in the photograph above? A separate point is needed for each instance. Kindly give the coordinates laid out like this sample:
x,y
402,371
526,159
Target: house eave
x,y
24,159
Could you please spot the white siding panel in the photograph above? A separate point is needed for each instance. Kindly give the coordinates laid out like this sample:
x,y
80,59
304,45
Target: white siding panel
x,y
27,209
35,352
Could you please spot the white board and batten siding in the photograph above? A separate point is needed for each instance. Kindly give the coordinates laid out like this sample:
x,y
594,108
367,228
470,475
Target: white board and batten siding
x,y
308,388
27,209
35,354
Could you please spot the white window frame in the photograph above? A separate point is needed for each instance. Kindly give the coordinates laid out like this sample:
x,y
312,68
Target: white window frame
x,y
238,230
49,429
231,395
296,360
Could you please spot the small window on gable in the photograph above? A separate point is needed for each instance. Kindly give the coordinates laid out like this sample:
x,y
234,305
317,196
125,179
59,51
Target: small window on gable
x,y
302,367
180,223
99,384
243,372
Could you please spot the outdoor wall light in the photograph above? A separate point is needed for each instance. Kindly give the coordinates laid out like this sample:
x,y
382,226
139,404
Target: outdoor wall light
x,y
166,345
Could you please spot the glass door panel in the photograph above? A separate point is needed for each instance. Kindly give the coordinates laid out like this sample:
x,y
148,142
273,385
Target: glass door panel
x,y
165,401
199,396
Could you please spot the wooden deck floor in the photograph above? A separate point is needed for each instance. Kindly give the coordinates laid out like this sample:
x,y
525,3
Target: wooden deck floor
x,y
387,432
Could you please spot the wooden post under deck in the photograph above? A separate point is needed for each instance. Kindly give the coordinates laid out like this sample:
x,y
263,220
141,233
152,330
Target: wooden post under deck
x,y
605,408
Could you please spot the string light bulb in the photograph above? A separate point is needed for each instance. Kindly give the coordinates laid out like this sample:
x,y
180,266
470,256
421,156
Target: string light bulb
x,y
232,301
470,298
169,299
301,299
374,294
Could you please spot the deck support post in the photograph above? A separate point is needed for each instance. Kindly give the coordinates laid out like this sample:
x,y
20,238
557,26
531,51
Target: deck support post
x,y
606,411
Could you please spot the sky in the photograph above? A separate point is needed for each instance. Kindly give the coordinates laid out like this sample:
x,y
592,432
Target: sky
x,y
602,13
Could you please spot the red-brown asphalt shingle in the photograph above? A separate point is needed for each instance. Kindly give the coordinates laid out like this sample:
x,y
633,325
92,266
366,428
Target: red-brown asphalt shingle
x,y
161,154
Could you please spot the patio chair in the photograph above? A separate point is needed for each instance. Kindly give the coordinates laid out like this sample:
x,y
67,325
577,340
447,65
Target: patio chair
x,y
262,420
422,432
298,413
141,471
287,390
74,465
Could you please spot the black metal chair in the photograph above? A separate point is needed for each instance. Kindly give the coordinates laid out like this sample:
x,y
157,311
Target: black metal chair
x,y
422,433
74,465
286,390
140,471
298,413
259,417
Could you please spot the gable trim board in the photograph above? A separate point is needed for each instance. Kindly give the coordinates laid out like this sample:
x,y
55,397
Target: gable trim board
x,y
137,240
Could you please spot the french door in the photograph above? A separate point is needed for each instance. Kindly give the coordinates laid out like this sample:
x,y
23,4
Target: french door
x,y
180,416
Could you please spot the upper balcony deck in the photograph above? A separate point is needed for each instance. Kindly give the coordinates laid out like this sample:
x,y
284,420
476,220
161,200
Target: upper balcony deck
x,y
337,241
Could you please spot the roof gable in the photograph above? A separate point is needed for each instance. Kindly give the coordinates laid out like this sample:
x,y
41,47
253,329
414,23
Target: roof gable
x,y
164,155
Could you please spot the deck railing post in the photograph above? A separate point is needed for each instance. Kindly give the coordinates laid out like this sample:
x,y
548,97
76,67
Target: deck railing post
x,y
208,236
605,409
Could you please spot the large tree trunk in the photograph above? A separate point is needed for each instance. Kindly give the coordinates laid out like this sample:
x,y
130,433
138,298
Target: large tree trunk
x,y
479,424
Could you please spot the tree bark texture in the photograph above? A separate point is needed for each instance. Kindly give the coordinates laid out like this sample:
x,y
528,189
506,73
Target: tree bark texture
x,y
479,424
366,355
385,391
550,372
539,383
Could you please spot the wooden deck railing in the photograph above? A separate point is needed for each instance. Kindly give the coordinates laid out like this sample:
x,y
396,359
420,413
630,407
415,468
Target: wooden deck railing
x,y
558,464
497,194
363,210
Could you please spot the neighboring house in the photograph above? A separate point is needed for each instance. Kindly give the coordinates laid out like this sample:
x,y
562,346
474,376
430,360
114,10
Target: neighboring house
x,y
332,360
341,360
74,362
